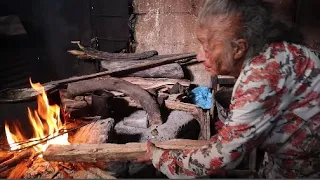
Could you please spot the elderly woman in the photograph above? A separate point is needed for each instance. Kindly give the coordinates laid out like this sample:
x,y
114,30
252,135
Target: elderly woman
x,y
275,103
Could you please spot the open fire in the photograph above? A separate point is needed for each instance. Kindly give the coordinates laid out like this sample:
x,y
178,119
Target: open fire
x,y
46,125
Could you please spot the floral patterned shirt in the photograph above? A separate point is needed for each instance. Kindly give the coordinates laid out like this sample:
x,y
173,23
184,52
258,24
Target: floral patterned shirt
x,y
275,106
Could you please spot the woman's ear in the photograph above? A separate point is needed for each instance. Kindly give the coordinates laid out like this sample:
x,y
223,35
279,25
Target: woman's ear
x,y
240,48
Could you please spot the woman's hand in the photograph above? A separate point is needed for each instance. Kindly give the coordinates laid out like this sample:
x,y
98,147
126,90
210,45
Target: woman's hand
x,y
147,158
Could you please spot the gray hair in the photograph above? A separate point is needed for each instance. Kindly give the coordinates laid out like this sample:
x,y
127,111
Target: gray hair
x,y
257,25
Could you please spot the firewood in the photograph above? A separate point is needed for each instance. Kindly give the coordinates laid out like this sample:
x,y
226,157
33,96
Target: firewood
x,y
90,53
41,169
4,174
173,70
125,70
111,152
94,133
156,83
64,173
51,176
83,102
18,157
115,84
5,155
19,171
102,174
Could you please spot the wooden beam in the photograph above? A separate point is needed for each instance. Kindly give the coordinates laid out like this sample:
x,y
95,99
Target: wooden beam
x,y
111,152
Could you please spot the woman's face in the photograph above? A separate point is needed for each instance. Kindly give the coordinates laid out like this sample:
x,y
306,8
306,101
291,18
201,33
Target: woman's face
x,y
215,52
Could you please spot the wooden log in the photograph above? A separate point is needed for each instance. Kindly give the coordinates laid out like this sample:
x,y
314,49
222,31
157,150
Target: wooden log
x,y
134,91
111,152
173,70
5,155
19,171
16,159
94,133
90,53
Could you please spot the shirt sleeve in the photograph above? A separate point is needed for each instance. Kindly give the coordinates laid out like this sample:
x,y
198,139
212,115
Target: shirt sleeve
x,y
255,104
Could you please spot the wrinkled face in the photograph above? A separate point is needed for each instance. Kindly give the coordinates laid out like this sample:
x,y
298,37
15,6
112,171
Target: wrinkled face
x,y
215,52
221,51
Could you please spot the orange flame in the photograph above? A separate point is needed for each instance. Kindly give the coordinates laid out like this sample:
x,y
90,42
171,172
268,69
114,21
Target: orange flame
x,y
45,122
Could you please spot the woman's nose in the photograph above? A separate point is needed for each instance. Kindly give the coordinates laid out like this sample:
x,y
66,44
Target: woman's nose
x,y
201,56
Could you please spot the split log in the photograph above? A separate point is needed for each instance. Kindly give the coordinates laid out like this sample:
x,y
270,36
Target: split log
x,y
16,159
115,84
111,152
173,70
90,53
97,132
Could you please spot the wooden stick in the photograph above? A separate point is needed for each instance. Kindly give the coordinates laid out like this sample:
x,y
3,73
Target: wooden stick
x,y
90,53
111,152
136,67
16,159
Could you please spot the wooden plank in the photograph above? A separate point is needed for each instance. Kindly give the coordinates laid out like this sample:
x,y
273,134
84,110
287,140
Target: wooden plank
x,y
111,152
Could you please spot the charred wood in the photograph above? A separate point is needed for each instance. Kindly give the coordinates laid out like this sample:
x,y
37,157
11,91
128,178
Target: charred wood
x,y
18,157
5,155
19,171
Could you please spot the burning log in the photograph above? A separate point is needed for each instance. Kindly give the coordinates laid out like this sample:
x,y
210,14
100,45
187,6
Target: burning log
x,y
114,84
111,152
18,157
4,156
19,171
94,133
173,70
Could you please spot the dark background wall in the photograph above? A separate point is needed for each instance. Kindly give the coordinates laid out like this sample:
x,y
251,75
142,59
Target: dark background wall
x,y
51,26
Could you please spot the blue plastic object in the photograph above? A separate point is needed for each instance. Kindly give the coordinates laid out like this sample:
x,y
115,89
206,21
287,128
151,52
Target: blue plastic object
x,y
202,97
